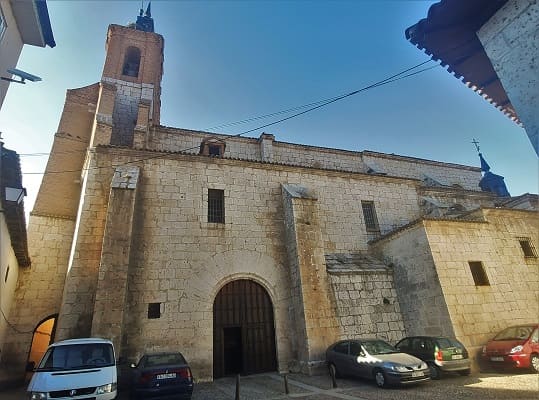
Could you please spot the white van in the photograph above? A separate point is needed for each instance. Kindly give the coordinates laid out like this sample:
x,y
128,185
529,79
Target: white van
x,y
76,369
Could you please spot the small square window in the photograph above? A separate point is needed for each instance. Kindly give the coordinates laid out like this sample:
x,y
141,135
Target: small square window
x,y
154,310
369,214
478,273
216,206
527,247
212,147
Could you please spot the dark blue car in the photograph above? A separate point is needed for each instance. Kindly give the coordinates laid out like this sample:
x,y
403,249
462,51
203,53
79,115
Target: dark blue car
x,y
162,376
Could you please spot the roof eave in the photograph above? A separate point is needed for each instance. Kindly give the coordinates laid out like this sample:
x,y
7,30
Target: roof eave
x,y
460,50
33,22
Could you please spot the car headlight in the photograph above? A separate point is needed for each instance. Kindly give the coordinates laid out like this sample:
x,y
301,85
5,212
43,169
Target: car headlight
x,y
399,368
108,388
37,396
516,349
423,365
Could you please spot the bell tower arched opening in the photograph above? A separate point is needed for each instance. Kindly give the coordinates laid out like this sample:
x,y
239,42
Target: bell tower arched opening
x,y
131,62
243,330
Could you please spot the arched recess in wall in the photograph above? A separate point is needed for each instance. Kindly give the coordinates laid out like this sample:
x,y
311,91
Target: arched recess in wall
x,y
243,330
131,62
43,336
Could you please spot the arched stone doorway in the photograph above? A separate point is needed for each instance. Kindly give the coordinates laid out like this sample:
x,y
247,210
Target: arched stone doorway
x,y
42,337
243,330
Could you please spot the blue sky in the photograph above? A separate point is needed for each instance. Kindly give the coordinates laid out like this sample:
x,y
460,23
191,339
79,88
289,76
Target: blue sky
x,y
226,61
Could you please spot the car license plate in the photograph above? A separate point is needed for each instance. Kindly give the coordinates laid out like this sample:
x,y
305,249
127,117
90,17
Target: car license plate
x,y
417,374
166,376
496,358
457,356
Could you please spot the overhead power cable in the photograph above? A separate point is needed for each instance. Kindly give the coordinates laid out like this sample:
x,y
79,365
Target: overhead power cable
x,y
311,107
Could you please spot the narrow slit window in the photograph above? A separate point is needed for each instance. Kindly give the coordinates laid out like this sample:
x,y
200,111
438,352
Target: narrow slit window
x,y
478,273
154,310
527,247
369,214
216,206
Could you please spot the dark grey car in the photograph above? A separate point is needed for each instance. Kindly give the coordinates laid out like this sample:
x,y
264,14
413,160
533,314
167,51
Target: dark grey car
x,y
375,359
442,354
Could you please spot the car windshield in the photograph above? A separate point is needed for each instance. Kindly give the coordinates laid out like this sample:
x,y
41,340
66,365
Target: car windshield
x,y
154,360
77,356
379,347
515,333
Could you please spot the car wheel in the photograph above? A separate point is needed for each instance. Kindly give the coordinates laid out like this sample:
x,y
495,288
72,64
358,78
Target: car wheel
x,y
435,372
465,372
333,371
380,378
534,362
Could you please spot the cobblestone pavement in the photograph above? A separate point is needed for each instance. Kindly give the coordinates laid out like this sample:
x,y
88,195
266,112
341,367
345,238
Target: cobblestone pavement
x,y
271,387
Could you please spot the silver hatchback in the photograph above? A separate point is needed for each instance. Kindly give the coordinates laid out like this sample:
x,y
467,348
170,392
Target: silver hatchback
x,y
375,359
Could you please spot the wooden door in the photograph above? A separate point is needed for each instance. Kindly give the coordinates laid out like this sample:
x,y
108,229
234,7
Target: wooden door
x,y
243,330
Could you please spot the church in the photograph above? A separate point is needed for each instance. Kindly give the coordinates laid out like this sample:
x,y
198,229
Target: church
x,y
251,254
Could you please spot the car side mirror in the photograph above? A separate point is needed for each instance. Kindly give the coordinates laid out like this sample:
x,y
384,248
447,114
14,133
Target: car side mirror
x,y
133,365
361,354
30,366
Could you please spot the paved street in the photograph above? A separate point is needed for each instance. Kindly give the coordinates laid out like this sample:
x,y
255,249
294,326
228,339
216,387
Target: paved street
x,y
271,387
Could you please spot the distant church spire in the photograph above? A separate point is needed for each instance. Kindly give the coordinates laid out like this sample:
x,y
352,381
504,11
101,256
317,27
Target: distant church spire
x,y
490,182
145,22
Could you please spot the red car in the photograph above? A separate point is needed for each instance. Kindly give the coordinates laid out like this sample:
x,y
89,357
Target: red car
x,y
516,346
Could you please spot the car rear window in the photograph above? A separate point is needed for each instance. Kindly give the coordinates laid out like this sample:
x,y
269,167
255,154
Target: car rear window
x,y
444,343
515,333
164,359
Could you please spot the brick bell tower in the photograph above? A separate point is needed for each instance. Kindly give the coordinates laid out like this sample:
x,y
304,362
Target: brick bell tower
x,y
130,93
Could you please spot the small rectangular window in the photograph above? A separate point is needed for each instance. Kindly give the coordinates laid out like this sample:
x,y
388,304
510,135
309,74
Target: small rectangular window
x,y
214,150
154,310
7,273
527,247
216,206
369,214
478,273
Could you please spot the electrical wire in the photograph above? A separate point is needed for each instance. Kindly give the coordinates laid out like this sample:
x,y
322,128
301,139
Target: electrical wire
x,y
314,106
13,326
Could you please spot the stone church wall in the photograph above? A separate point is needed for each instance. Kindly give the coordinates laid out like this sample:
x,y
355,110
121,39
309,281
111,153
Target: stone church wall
x,y
176,140
87,239
408,167
367,305
512,296
420,297
181,261
40,287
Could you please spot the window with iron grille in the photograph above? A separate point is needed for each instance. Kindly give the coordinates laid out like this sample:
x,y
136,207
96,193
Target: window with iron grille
x,y
527,247
216,206
154,310
3,25
369,214
478,273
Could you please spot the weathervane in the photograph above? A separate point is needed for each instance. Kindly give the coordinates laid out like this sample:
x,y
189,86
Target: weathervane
x,y
476,143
